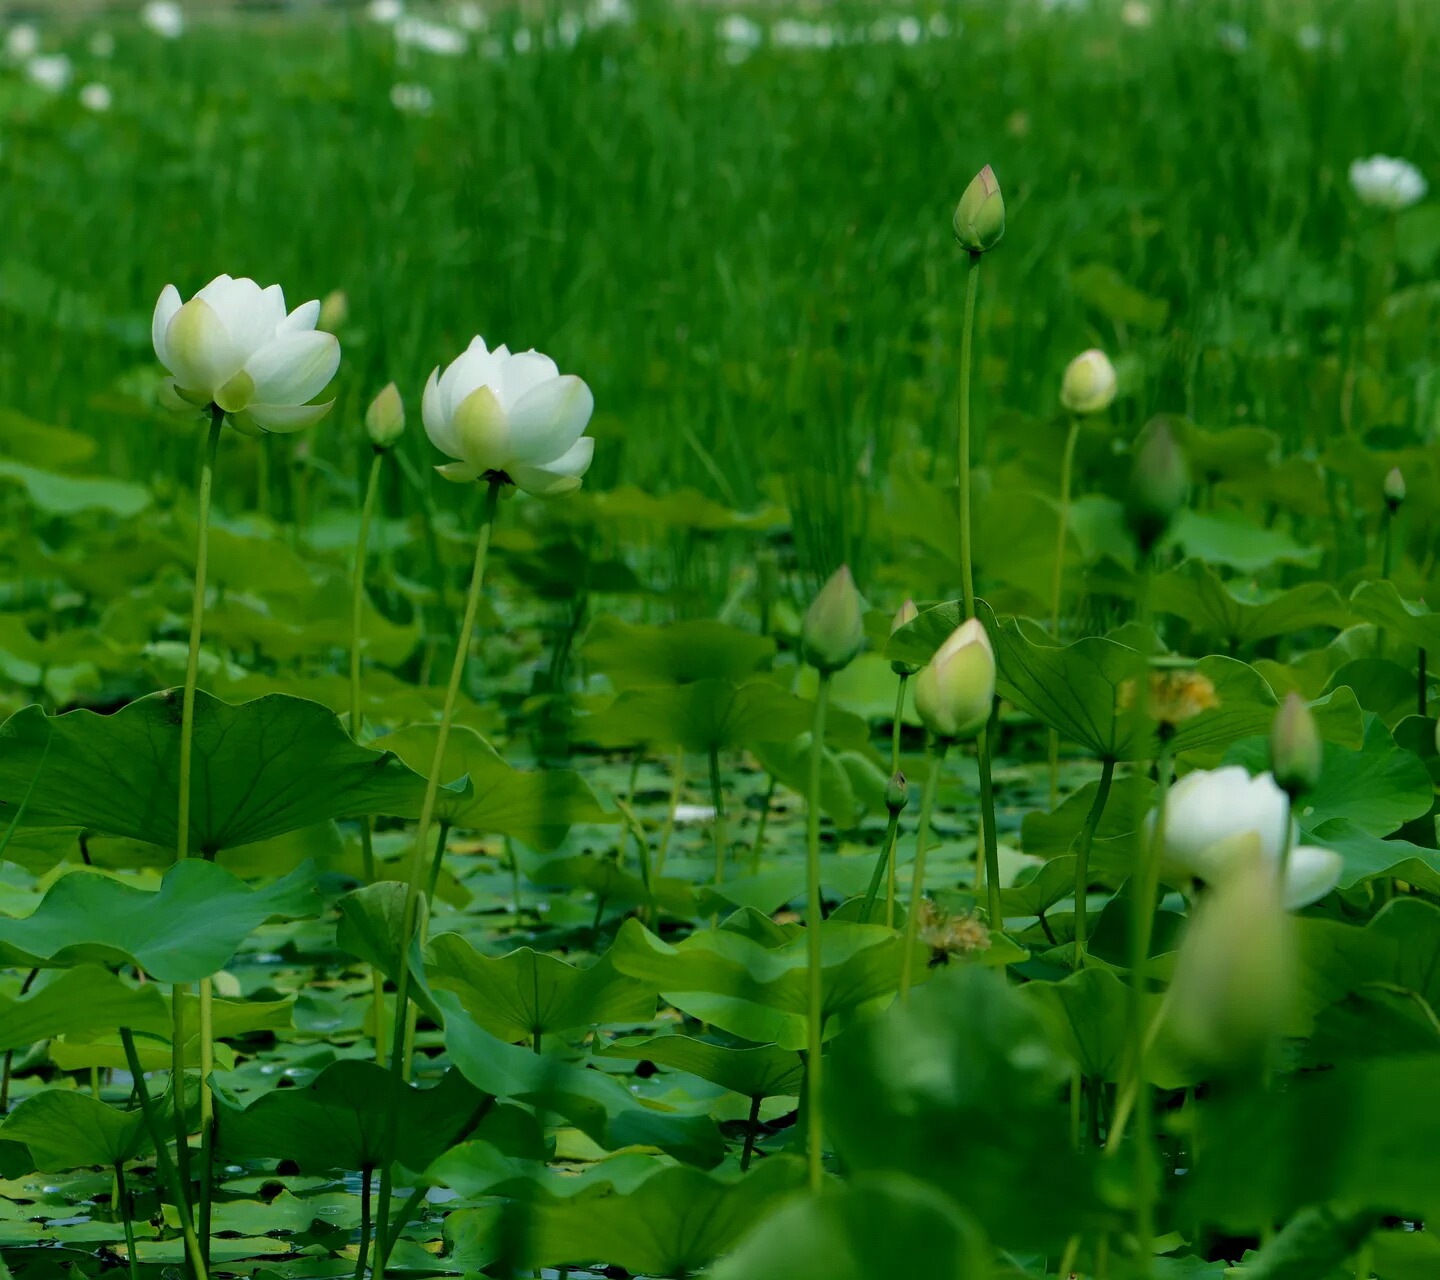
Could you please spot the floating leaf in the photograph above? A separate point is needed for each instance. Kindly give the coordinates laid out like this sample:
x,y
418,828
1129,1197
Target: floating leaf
x,y
763,1071
58,495
476,1169
1411,625
705,715
69,1130
86,998
1193,591
372,929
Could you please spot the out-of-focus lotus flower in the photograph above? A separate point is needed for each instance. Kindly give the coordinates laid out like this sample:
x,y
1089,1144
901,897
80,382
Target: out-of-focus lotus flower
x,y
50,71
1233,37
909,31
412,99
234,346
164,18
385,418
102,45
385,11
609,13
96,97
1210,810
1394,488
430,37
21,42
513,418
471,16
740,32
1089,383
1310,37
1136,13
1386,182
334,310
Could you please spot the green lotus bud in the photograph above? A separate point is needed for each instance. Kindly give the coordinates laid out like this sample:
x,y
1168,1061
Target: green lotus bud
x,y
1295,748
980,216
954,693
1394,488
897,794
1235,973
1159,483
833,633
907,612
1089,383
385,418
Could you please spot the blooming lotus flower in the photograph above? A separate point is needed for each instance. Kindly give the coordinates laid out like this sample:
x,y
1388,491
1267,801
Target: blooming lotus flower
x,y
50,71
509,417
233,346
1210,813
1385,182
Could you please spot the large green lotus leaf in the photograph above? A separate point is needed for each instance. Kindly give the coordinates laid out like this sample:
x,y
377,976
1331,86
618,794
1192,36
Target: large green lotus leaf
x,y
1233,540
1412,625
605,878
58,495
480,1168
857,1231
967,1065
636,655
851,785
682,509
676,1221
917,641
705,715
26,440
372,929
1053,835
1378,685
1368,856
483,793
187,930
1363,1135
760,992
526,993
598,1105
1229,452
66,1129
84,999
340,1120
1193,591
259,769
763,1071
1397,950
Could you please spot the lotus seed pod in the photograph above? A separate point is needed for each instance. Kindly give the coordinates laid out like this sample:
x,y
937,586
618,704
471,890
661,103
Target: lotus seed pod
x,y
833,633
1394,488
1295,747
906,613
980,216
385,418
897,794
1089,384
954,693
1159,483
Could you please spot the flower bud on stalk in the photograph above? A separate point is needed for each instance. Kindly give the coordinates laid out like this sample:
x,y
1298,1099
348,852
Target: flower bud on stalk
x,y
980,216
897,794
1295,748
385,418
334,310
1159,483
1089,384
833,633
905,614
954,693
1394,489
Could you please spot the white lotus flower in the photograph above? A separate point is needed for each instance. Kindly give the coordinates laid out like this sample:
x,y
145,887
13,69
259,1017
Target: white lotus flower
x,y
50,71
1207,812
412,99
22,42
514,418
164,18
1386,182
233,346
96,97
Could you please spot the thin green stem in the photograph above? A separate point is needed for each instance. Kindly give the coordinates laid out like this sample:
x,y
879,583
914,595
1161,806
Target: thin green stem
x,y
917,878
758,848
207,1113
816,1031
122,1197
677,787
366,1176
1082,856
882,862
1420,689
357,602
752,1131
1057,580
717,828
896,723
432,882
967,333
178,1038
1287,842
987,828
163,1163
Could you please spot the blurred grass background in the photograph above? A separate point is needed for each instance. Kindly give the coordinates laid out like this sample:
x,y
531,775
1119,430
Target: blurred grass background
x,y
745,250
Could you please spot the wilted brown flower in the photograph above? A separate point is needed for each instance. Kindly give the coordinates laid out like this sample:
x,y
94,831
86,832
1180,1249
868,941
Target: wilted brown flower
x,y
1175,696
950,935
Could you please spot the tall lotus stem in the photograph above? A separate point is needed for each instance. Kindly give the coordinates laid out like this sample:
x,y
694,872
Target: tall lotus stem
x,y
814,1022
1067,465
717,827
967,332
1082,856
917,880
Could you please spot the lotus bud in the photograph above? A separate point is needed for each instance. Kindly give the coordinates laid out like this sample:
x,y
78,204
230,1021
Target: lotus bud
x,y
385,418
897,794
334,310
1159,483
980,216
1295,748
954,693
1235,973
1394,489
833,633
906,613
1089,383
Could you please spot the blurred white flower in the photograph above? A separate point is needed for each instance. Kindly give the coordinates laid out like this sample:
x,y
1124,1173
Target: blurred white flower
x,y
1233,37
50,71
514,418
604,13
1386,182
471,16
233,345
939,26
96,97
413,99
492,47
909,30
1209,810
1310,37
522,40
740,35
22,42
1064,6
385,11
164,17
102,45
568,29
1135,14
430,37
689,814
790,33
